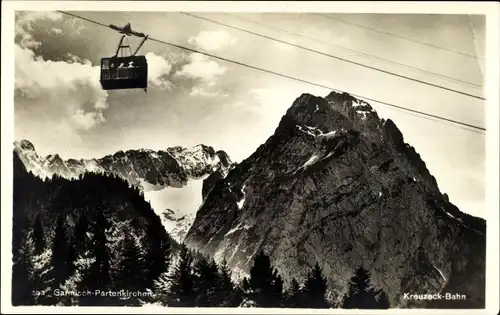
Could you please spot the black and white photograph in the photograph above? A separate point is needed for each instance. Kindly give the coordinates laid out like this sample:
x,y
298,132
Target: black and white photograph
x,y
205,156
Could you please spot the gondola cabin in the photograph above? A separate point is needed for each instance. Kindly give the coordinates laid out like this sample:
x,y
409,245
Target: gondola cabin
x,y
130,72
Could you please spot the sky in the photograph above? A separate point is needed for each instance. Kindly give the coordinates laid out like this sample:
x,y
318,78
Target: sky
x,y
60,107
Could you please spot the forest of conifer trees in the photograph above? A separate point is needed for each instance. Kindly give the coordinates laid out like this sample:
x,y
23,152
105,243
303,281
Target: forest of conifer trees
x,y
98,234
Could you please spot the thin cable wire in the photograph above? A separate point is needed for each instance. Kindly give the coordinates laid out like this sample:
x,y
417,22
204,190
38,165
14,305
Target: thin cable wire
x,y
304,81
397,36
336,57
83,18
356,51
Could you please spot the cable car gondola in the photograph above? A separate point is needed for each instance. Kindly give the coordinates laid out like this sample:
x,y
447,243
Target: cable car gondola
x,y
125,72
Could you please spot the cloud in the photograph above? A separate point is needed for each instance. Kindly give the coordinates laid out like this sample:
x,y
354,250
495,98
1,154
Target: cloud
x,y
52,35
59,91
213,40
87,120
25,22
202,68
201,91
158,70
56,31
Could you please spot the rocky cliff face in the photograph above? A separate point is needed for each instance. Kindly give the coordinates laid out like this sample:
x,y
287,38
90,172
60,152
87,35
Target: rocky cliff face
x,y
337,185
152,171
147,169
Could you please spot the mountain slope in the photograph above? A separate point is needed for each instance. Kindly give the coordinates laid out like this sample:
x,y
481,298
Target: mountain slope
x,y
337,185
89,226
161,175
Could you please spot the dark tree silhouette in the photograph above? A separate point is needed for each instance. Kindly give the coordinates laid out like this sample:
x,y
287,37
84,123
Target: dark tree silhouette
x,y
157,253
39,236
383,300
22,269
60,253
315,288
80,234
264,285
206,280
182,289
294,295
361,294
101,268
130,275
228,294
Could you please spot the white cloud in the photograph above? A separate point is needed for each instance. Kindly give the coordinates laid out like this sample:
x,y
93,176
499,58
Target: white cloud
x,y
158,70
213,40
200,91
74,58
201,67
87,120
24,25
56,31
60,90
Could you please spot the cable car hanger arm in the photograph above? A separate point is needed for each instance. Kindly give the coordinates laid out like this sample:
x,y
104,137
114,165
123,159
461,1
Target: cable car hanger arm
x,y
140,45
127,31
119,45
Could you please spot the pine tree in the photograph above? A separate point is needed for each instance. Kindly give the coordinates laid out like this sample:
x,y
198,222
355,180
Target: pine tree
x,y
360,294
76,282
22,269
130,274
161,290
278,285
315,288
181,292
157,255
226,290
101,268
294,295
38,236
98,276
80,233
43,278
205,282
60,253
264,285
383,300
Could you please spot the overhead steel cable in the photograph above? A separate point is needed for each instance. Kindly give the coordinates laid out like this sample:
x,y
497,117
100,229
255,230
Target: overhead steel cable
x,y
397,36
398,64
336,57
473,127
83,18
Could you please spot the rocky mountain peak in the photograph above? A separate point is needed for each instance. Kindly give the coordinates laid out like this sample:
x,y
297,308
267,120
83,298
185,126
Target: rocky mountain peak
x,y
24,145
337,185
145,168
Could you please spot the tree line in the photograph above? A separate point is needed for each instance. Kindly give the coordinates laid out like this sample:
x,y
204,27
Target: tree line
x,y
204,283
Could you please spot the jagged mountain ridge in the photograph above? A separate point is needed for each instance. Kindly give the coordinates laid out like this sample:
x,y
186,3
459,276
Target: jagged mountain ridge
x,y
144,168
337,185
152,171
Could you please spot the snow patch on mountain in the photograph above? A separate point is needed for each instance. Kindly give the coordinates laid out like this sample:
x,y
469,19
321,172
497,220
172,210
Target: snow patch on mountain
x,y
311,160
177,207
316,132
